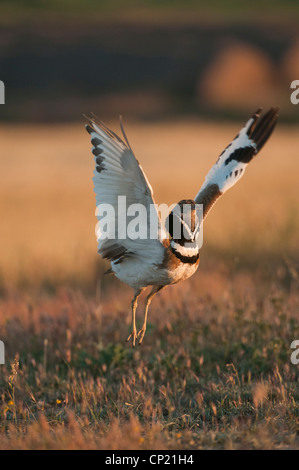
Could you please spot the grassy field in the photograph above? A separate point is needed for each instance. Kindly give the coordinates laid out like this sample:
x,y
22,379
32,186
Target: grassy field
x,y
148,10
214,370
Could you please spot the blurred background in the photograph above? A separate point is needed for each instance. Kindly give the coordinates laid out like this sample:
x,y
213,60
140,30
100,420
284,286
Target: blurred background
x,y
149,59
185,76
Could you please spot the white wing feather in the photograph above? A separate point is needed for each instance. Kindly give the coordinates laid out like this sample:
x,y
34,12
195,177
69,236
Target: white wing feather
x,y
118,173
231,164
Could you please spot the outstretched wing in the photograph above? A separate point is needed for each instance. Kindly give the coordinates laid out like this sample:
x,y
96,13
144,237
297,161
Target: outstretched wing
x,y
234,159
119,182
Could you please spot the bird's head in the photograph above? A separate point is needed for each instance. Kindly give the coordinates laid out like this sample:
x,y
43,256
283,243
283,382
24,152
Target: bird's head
x,y
183,222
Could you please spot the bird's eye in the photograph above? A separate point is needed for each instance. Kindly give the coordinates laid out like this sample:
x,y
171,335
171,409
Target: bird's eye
x,y
169,224
174,225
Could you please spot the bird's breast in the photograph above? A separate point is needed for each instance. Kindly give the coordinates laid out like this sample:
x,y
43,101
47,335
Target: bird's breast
x,y
180,262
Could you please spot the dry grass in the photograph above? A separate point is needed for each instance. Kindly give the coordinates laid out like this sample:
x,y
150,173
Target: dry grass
x,y
214,370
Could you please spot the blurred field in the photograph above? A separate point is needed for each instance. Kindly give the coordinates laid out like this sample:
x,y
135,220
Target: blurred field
x,y
47,202
214,370
16,11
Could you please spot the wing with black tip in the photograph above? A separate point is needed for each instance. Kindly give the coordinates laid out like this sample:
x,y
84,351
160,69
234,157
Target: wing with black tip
x,y
117,175
234,159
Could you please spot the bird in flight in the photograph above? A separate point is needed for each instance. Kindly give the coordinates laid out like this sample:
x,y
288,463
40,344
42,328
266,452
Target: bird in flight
x,y
161,261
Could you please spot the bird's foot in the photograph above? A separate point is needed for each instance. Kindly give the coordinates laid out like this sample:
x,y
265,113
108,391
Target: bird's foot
x,y
133,335
141,333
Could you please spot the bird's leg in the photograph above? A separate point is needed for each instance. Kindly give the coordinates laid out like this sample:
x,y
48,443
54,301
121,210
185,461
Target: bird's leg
x,y
133,335
154,291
